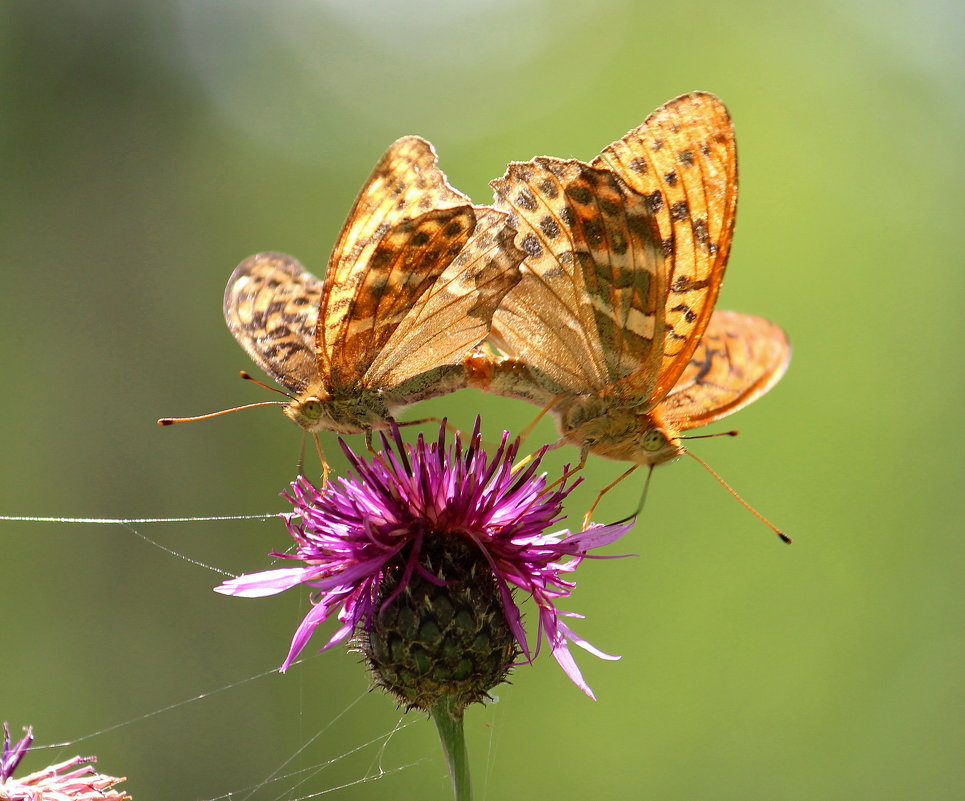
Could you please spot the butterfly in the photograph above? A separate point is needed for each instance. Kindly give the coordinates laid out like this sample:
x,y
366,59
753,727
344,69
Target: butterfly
x,y
411,287
612,326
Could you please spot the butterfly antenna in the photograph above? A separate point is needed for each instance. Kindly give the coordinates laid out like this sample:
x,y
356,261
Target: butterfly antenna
x,y
170,421
610,486
248,377
784,538
423,420
709,436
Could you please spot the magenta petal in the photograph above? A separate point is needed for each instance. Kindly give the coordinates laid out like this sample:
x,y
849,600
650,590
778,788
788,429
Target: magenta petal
x,y
596,536
303,633
339,635
567,632
561,653
259,585
355,573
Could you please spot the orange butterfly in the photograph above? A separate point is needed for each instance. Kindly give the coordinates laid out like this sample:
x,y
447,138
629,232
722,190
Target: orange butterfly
x,y
612,325
410,289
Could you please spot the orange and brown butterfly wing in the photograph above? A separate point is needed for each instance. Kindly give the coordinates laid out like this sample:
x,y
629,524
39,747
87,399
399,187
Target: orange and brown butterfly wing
x,y
401,271
683,158
588,311
455,313
406,227
271,307
739,358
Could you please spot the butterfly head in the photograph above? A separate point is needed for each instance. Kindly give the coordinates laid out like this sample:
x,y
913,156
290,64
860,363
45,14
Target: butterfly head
x,y
350,414
309,411
655,444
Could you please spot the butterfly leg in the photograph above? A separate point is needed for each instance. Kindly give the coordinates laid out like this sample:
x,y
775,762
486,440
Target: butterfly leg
x,y
604,491
527,459
300,464
567,471
532,424
529,430
437,420
321,458
368,442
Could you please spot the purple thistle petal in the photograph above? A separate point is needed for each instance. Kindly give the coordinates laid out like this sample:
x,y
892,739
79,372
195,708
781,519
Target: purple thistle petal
x,y
259,585
73,779
12,756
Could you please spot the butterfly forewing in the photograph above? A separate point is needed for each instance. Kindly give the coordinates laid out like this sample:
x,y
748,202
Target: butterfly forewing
x,y
587,311
454,315
739,358
683,158
271,307
405,185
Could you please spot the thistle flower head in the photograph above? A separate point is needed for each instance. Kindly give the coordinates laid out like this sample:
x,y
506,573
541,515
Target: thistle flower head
x,y
72,780
420,553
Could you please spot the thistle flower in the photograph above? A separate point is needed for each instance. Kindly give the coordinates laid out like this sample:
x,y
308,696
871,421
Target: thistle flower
x,y
420,553
72,780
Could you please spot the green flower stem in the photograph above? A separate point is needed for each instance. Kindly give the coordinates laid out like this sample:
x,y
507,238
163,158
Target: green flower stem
x,y
449,723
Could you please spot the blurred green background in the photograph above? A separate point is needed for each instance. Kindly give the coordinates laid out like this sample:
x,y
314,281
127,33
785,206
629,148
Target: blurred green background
x,y
148,147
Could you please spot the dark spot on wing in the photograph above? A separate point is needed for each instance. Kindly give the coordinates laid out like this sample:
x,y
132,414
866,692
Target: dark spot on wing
x,y
525,200
579,193
549,188
654,201
549,227
531,246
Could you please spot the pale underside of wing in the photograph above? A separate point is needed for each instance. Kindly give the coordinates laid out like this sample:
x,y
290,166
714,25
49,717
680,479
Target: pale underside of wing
x,y
455,313
683,158
407,225
587,311
271,307
739,358
402,270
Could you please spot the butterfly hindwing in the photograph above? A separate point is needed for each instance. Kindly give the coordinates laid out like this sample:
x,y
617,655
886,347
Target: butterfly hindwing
x,y
739,358
271,307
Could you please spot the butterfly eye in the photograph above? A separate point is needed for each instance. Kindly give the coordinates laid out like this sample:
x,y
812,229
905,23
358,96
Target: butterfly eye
x,y
312,408
653,440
